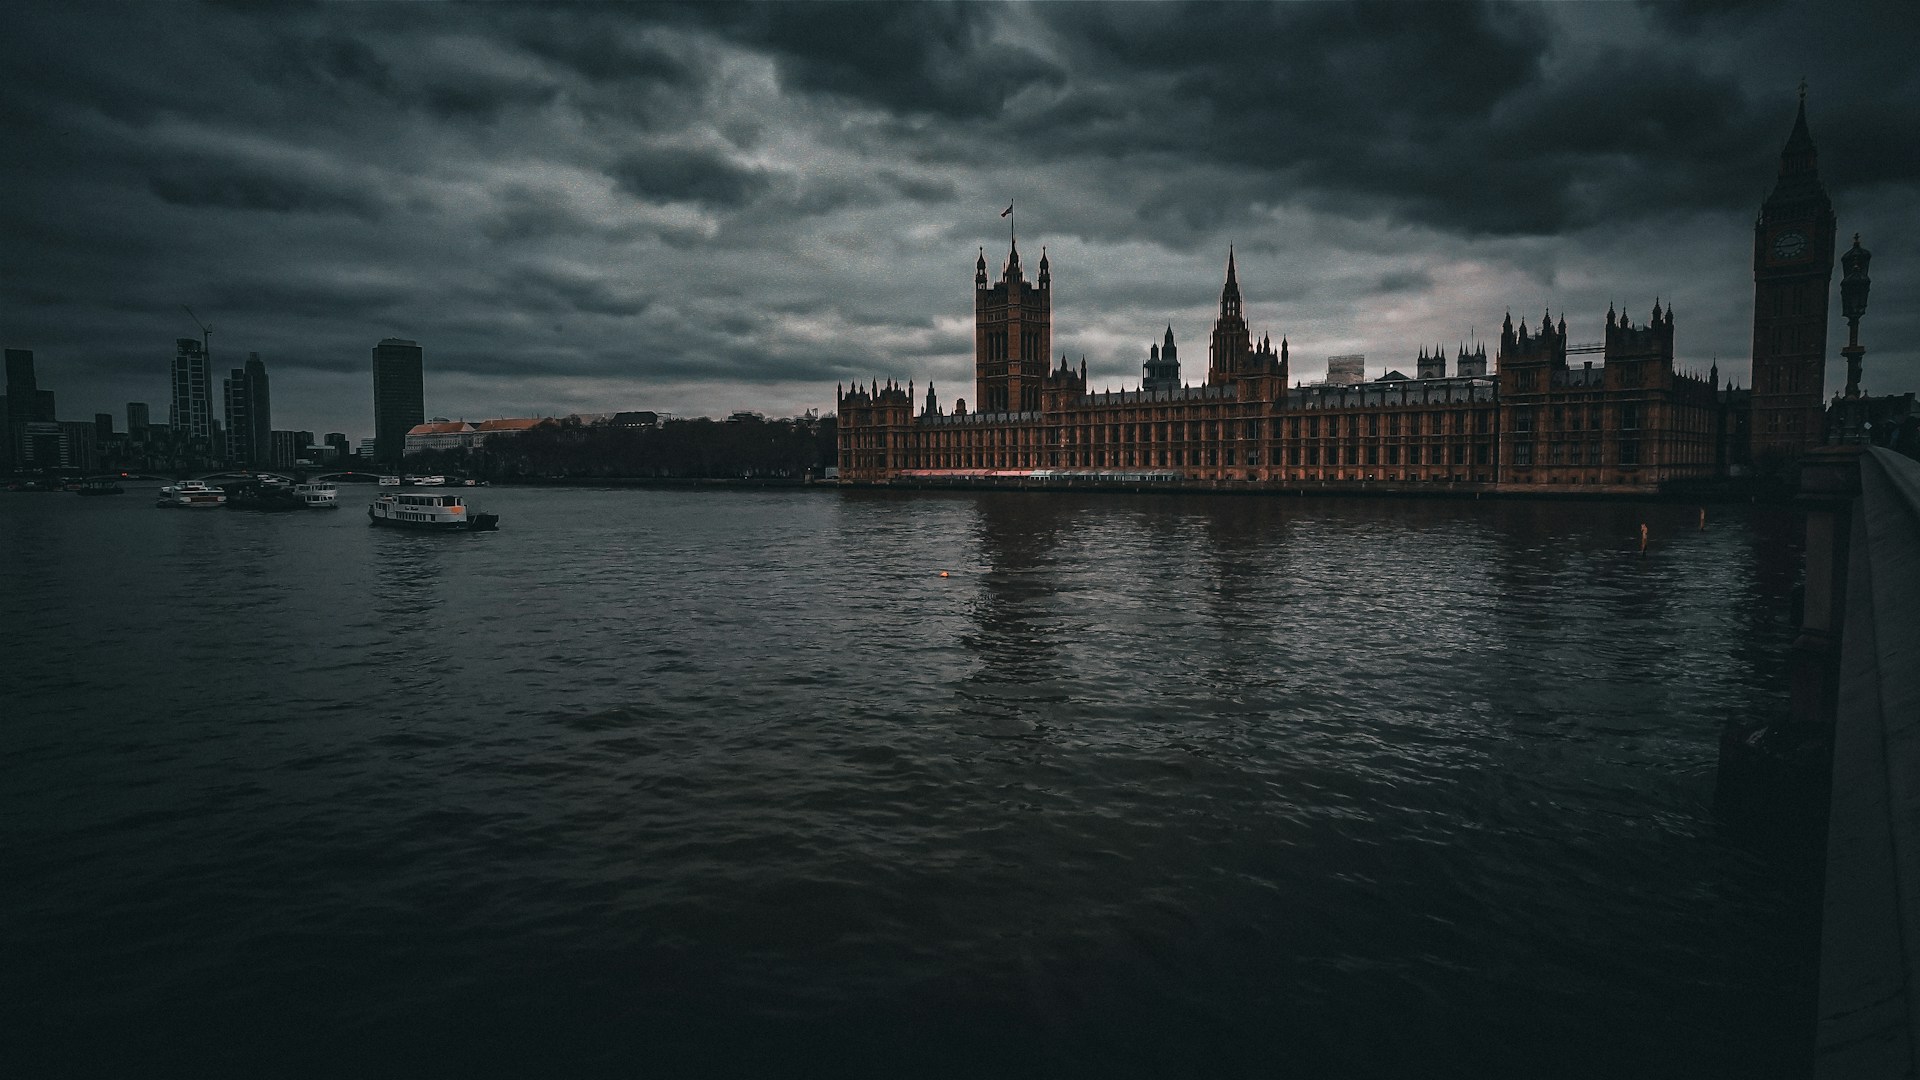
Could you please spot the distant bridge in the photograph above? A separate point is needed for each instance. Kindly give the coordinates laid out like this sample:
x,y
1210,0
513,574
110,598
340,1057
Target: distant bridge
x,y
349,475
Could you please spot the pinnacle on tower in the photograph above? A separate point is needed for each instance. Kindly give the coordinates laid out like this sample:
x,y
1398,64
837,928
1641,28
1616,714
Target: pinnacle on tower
x,y
1230,292
1799,161
1800,137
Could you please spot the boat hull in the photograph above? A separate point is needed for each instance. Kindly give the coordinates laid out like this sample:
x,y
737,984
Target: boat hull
x,y
472,523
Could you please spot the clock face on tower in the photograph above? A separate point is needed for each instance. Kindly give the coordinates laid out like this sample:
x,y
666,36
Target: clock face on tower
x,y
1789,245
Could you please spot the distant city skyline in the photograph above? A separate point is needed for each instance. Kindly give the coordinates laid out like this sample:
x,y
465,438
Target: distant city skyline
x,y
701,210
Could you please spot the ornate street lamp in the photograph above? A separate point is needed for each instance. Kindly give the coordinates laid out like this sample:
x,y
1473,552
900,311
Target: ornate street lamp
x,y
1853,304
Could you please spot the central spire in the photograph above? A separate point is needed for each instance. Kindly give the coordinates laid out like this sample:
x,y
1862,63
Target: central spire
x,y
1230,294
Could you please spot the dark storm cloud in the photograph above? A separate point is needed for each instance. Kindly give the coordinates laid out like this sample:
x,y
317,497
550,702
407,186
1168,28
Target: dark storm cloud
x,y
608,51
701,174
940,59
761,196
919,189
1454,116
1395,281
578,292
1693,16
236,187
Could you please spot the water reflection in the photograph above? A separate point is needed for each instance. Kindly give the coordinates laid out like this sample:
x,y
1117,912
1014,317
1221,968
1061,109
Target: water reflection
x,y
1014,622
411,627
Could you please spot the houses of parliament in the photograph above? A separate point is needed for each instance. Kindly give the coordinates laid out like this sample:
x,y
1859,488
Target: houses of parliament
x,y
1539,420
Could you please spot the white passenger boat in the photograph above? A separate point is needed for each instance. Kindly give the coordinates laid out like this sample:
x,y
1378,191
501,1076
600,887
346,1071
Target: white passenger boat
x,y
321,496
431,481
190,494
430,513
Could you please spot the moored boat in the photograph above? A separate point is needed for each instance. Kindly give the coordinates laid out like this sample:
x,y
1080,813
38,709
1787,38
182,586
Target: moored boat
x,y
263,493
190,494
100,485
320,496
429,513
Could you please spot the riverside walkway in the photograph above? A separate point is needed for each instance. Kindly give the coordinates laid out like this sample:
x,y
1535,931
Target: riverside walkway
x,y
1857,666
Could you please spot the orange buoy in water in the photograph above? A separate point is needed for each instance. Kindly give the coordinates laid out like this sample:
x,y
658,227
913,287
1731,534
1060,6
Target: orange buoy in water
x,y
943,573
1703,519
1643,539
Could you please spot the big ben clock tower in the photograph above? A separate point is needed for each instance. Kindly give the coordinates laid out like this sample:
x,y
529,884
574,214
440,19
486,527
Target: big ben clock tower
x,y
1792,272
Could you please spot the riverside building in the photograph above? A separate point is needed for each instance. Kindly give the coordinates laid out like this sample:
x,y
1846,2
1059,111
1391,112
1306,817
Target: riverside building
x,y
1631,424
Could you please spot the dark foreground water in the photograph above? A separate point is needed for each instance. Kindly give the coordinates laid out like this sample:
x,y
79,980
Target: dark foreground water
x,y
666,783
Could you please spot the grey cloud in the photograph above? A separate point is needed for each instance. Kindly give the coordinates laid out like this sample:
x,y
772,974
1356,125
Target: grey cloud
x,y
917,188
233,186
700,175
1395,281
610,50
577,293
934,58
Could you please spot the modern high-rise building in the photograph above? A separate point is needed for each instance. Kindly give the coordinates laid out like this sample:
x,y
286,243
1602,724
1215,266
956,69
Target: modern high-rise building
x,y
288,448
399,401
20,379
26,403
1793,242
137,423
103,427
249,415
192,419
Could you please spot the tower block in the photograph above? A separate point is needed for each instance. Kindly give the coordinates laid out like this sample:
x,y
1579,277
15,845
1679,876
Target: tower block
x,y
1013,335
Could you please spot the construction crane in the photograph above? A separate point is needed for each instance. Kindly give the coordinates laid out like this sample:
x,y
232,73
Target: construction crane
x,y
206,335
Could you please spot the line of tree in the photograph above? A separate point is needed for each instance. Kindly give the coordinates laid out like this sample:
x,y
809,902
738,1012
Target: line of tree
x,y
741,447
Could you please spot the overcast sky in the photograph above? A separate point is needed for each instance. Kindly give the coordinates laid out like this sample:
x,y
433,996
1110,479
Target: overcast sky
x,y
704,209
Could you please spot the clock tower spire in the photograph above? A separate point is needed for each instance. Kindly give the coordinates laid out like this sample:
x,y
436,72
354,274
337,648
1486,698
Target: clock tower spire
x,y
1793,244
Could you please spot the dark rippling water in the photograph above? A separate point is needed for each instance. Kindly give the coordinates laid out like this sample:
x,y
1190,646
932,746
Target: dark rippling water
x,y
734,783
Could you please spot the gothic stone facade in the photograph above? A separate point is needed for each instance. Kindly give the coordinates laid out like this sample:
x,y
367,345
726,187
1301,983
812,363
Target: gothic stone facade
x,y
1633,423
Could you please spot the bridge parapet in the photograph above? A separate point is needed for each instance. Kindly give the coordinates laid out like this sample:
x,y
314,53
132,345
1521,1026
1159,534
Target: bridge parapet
x,y
1858,663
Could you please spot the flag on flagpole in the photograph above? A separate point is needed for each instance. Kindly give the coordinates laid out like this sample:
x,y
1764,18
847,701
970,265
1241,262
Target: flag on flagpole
x,y
1007,211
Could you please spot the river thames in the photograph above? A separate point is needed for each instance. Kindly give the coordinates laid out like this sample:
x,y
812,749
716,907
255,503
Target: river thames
x,y
695,782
